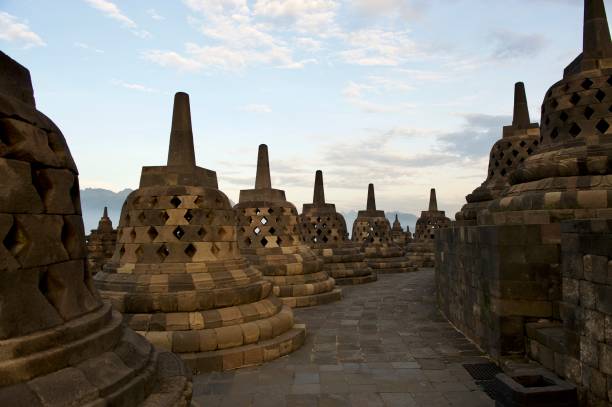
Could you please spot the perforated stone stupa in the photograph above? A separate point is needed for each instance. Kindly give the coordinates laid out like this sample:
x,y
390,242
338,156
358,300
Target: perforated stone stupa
x,y
421,249
178,275
270,237
101,243
372,231
519,141
398,235
324,230
60,344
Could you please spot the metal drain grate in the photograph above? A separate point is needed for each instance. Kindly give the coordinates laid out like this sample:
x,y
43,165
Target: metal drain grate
x,y
482,371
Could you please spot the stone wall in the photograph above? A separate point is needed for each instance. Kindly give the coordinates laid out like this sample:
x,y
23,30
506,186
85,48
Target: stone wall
x,y
494,279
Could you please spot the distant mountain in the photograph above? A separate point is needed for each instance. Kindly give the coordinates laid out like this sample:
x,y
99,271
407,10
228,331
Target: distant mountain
x,y
406,219
93,201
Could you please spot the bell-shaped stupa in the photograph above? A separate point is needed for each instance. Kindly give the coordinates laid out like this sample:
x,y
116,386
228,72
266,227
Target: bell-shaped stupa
x,y
101,244
569,176
178,275
372,230
398,235
60,344
324,230
421,249
520,140
270,237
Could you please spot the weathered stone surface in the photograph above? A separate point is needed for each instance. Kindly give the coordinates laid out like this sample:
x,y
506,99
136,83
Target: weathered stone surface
x,y
177,272
59,343
101,244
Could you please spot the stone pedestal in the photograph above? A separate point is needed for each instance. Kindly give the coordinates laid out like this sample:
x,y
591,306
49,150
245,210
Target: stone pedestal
x,y
178,275
270,237
61,344
324,230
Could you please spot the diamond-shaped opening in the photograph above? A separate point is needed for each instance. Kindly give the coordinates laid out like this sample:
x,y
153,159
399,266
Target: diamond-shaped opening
x,y
575,130
279,240
272,230
175,201
133,234
496,163
163,252
248,241
318,219
264,220
501,155
178,232
202,233
522,143
270,211
587,83
515,153
188,215
139,253
141,217
509,162
325,239
15,240
190,250
566,87
319,231
610,81
153,202
610,109
127,219
536,142
152,232
325,225
554,103
221,232
575,99
588,112
314,240
529,151
122,251
547,121
257,230
602,126
198,201
257,211
554,133
165,216
600,95
264,242
563,116
214,249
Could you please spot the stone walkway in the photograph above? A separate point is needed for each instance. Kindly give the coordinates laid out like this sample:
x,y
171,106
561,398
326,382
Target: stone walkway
x,y
384,344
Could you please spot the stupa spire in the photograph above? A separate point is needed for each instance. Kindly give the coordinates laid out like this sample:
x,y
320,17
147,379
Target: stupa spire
x,y
105,214
262,179
596,36
433,201
181,151
371,198
521,109
319,192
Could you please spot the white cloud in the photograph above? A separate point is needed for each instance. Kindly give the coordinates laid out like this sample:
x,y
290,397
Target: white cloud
x,y
305,15
12,30
309,44
257,108
170,59
374,46
355,94
111,10
155,15
88,47
134,86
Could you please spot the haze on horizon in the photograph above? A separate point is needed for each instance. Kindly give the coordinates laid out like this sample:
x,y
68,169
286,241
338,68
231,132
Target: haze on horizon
x,y
407,94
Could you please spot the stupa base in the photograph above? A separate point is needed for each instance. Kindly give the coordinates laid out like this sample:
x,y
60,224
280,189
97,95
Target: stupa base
x,y
100,363
313,300
370,278
246,355
391,265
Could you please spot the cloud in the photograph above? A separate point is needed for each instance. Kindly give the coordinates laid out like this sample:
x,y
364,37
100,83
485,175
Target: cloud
x,y
390,8
513,45
170,59
133,86
112,11
155,15
475,138
309,44
12,30
257,108
355,93
87,47
305,15
377,47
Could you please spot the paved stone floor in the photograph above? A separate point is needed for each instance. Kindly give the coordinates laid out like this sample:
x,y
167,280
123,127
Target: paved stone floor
x,y
384,344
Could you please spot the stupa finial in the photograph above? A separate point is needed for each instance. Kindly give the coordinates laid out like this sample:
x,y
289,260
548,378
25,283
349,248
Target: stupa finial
x,y
596,36
319,192
181,151
433,201
371,198
262,179
105,214
521,109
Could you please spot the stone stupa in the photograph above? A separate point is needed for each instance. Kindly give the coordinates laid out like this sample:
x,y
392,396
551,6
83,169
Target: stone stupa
x,y
178,275
270,237
398,235
101,243
60,344
324,230
519,141
421,249
372,230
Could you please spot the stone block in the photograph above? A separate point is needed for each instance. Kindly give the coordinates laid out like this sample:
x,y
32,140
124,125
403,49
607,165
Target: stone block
x,y
208,340
603,300
589,352
229,337
185,341
594,325
17,194
571,291
65,387
605,354
67,291
588,296
56,187
73,236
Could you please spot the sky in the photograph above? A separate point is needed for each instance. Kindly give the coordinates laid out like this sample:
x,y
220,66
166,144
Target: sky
x,y
406,94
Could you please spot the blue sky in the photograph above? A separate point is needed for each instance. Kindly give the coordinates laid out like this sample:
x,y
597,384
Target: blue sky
x,y
407,94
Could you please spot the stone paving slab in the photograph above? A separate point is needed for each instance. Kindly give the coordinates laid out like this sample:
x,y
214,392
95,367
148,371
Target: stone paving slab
x,y
384,344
